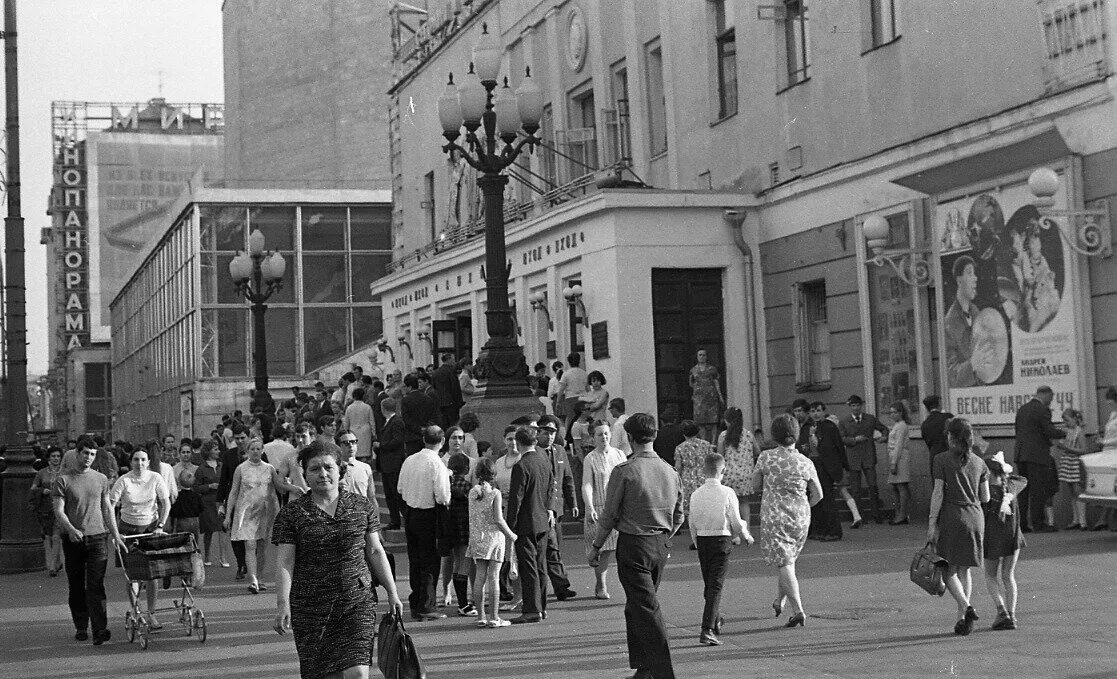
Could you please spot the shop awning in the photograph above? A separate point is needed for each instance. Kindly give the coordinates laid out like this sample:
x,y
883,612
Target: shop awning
x,y
1042,148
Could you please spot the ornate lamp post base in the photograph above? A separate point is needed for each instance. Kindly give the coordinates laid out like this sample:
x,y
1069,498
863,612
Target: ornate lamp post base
x,y
21,541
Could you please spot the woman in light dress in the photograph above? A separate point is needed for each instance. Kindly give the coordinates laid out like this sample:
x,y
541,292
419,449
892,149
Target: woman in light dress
x,y
39,498
251,510
706,395
740,451
690,456
899,462
790,487
597,468
359,420
489,534
595,400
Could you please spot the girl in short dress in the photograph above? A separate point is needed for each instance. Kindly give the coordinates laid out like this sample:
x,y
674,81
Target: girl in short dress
x,y
488,532
740,451
1070,467
1003,538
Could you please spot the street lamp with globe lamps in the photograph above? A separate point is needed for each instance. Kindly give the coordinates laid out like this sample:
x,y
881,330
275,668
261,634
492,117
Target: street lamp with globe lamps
x,y
257,275
489,119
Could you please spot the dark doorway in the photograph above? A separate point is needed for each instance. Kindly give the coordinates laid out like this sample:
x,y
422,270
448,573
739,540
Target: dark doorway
x,y
686,316
454,335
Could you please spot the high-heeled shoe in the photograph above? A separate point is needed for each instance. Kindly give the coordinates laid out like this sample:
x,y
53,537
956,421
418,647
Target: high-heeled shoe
x,y
799,619
777,606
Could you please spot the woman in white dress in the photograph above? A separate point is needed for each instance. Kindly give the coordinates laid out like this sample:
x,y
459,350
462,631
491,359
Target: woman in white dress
x,y
251,510
899,462
596,469
359,420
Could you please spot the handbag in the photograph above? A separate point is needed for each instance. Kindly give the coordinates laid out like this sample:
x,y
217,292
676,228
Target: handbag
x,y
928,570
396,655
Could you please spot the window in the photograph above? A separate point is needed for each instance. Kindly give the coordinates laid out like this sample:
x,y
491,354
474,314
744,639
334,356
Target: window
x,y
428,204
797,49
812,336
725,41
881,22
616,121
580,140
657,101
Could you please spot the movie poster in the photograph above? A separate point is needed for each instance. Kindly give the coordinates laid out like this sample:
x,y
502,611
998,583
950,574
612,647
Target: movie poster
x,y
1008,316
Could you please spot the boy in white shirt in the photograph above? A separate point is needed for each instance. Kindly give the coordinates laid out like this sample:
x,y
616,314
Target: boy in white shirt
x,y
715,519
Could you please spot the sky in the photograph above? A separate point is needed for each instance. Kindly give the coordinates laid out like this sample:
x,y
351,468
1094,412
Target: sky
x,y
100,50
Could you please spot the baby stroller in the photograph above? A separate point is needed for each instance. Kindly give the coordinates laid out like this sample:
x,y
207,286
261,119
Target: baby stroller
x,y
154,557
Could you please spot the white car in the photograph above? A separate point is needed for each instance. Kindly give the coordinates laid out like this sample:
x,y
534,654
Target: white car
x,y
1101,478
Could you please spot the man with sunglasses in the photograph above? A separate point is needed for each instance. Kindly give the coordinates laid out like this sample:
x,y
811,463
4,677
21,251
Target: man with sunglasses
x,y
358,475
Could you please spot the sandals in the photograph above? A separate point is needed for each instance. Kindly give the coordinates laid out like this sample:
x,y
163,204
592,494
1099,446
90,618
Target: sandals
x,y
501,622
254,589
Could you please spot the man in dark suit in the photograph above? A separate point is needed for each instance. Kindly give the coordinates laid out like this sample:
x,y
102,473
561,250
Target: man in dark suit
x,y
859,432
1034,434
530,517
820,440
417,411
934,430
389,459
374,397
445,382
562,492
670,435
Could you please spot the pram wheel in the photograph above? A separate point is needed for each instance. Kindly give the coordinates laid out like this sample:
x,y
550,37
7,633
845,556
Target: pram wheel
x,y
200,625
130,626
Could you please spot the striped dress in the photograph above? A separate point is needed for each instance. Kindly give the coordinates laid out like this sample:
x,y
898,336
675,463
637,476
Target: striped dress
x,y
1070,467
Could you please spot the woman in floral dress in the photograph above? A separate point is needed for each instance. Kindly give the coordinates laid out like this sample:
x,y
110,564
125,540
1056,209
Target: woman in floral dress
x,y
598,466
690,456
740,451
706,395
252,506
790,486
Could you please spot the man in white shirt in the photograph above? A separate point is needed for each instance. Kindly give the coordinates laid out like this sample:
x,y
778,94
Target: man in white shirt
x,y
616,434
715,519
284,457
424,484
358,475
572,385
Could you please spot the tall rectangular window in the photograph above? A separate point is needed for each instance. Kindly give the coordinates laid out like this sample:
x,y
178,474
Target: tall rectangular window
x,y
620,142
797,49
657,99
881,22
725,40
812,335
428,204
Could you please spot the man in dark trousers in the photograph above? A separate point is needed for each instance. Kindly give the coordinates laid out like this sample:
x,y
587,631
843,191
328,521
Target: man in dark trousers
x,y
417,410
445,382
820,441
375,397
562,492
644,503
859,431
530,518
1034,434
424,484
934,430
389,459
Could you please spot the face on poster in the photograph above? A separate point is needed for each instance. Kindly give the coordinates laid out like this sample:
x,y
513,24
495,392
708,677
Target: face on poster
x,y
1008,315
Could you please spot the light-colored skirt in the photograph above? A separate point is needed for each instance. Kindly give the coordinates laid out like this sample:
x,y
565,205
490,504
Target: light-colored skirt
x,y
590,534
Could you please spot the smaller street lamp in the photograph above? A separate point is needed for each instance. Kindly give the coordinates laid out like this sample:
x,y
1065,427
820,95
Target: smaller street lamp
x,y
1087,232
573,297
539,303
258,275
910,265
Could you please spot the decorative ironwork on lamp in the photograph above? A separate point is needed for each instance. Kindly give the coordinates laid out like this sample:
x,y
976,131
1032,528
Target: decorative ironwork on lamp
x,y
539,303
910,265
1088,231
401,339
573,296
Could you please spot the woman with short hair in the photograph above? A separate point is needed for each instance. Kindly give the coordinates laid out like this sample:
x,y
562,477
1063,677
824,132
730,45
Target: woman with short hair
x,y
250,510
789,482
956,524
595,400
145,506
899,462
324,541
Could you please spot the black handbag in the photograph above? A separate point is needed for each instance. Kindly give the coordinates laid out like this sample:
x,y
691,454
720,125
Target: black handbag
x,y
396,654
928,570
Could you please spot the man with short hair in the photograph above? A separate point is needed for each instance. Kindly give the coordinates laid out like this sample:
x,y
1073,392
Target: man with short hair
x,y
358,475
530,517
616,432
963,357
860,431
562,492
418,410
85,517
284,457
445,382
821,442
800,409
669,436
389,460
644,504
424,484
1034,436
933,430
572,385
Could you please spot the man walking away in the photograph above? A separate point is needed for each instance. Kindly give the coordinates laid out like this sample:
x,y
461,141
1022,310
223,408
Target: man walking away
x,y
445,382
85,515
644,503
1034,434
530,517
424,483
933,430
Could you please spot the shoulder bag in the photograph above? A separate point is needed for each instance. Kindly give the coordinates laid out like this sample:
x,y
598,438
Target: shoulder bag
x,y
928,570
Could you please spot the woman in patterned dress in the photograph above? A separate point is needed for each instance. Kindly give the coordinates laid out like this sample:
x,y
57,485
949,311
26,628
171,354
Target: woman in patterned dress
x,y
706,395
740,451
252,505
790,486
690,456
327,541
597,468
39,497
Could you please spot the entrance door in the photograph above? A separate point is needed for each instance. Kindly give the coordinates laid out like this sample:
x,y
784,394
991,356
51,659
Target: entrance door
x,y
454,335
686,316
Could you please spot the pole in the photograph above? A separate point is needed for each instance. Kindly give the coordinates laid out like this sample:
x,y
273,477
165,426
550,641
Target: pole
x,y
20,536
15,286
260,341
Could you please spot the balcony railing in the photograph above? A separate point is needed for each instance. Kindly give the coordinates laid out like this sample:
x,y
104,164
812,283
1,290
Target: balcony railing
x,y
1075,42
